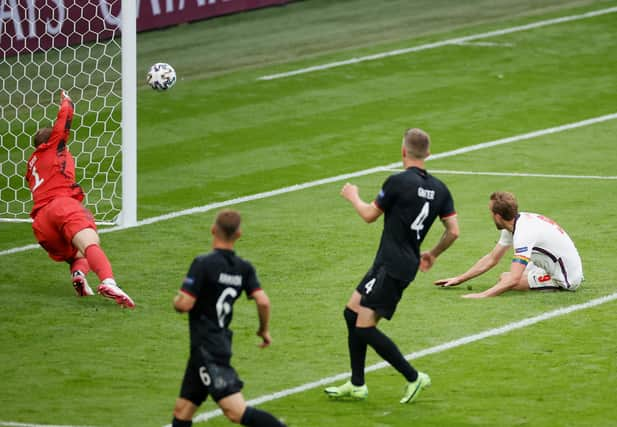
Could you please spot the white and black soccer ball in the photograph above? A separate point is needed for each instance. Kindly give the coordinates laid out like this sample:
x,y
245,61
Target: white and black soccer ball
x,y
161,76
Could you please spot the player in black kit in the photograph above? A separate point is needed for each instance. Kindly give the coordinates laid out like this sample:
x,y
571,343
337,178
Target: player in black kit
x,y
208,292
410,202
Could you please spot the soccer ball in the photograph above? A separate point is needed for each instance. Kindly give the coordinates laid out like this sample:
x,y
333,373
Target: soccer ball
x,y
161,76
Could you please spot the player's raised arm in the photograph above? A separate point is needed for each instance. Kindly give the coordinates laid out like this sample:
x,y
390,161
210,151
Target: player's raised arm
x,y
369,212
62,127
64,95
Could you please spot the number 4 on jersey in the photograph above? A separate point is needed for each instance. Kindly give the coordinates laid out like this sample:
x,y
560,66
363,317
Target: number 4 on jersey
x,y
368,286
418,223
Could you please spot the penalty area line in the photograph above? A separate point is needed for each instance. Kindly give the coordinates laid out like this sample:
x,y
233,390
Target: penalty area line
x,y
298,187
518,174
448,42
14,424
426,352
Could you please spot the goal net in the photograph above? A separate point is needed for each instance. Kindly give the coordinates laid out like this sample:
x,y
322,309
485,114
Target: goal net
x,y
47,45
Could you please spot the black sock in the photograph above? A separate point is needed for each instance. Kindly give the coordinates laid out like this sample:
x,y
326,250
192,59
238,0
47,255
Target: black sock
x,y
357,348
387,350
181,423
254,417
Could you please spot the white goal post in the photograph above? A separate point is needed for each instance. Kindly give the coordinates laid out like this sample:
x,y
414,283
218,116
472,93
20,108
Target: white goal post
x,y
128,213
88,48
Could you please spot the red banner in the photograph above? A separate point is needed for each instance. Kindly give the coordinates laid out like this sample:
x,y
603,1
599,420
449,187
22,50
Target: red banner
x,y
157,14
33,25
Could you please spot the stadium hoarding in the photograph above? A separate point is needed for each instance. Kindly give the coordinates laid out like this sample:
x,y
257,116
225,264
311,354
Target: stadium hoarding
x,y
153,15
34,25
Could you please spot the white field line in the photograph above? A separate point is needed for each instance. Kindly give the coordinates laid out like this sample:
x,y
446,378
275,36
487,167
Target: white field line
x,y
14,424
432,350
30,221
485,44
524,175
434,45
412,356
525,136
426,352
297,187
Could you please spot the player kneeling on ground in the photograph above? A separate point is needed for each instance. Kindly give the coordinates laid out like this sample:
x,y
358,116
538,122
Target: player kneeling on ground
x,y
213,284
61,223
544,258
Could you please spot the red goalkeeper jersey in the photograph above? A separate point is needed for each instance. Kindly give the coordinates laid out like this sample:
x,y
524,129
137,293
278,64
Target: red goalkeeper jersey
x,y
51,168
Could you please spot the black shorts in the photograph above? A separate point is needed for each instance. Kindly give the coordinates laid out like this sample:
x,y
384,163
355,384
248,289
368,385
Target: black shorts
x,y
203,378
381,292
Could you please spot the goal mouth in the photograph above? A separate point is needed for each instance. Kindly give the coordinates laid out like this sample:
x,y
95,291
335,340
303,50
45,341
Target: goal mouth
x,y
83,57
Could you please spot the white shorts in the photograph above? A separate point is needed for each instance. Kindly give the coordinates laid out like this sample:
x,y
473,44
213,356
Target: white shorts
x,y
542,273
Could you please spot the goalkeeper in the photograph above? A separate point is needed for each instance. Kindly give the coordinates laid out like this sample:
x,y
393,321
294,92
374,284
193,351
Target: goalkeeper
x,y
62,225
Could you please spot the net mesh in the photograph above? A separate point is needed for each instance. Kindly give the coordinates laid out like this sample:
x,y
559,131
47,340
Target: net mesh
x,y
32,72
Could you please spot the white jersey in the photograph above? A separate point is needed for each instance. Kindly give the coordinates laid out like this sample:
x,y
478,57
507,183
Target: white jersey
x,y
541,240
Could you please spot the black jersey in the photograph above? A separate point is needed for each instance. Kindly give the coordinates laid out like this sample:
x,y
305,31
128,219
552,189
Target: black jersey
x,y
410,200
216,280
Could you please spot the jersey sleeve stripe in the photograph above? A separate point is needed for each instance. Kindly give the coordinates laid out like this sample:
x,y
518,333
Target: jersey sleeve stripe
x,y
184,291
448,215
520,259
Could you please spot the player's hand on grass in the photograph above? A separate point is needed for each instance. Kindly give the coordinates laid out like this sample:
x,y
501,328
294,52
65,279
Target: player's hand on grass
x,y
445,283
474,296
266,339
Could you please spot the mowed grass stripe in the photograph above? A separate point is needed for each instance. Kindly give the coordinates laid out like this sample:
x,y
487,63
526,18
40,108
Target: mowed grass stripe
x,y
448,42
308,248
521,174
301,129
15,424
298,187
426,352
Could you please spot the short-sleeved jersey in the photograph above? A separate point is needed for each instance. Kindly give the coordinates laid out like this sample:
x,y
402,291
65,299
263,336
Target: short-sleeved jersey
x,y
410,200
51,168
216,280
537,234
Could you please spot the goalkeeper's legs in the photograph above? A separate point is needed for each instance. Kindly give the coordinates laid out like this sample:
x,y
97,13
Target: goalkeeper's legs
x,y
87,242
79,270
109,289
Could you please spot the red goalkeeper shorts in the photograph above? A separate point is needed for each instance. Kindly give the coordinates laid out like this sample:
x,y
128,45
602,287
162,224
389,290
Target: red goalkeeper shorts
x,y
56,224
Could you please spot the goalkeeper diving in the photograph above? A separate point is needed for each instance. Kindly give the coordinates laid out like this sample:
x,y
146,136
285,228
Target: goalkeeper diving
x,y
62,225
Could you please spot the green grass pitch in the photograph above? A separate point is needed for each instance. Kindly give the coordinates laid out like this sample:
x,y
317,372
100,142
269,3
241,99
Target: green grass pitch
x,y
221,133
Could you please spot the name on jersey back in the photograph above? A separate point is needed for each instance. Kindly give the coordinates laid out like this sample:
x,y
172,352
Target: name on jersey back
x,y
426,194
230,279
